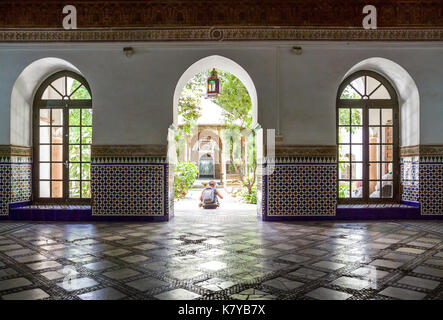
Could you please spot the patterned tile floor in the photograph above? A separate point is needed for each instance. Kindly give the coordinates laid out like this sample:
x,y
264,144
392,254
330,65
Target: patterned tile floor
x,y
222,256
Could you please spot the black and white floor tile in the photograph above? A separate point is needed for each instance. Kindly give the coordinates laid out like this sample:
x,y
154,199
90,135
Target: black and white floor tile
x,y
222,258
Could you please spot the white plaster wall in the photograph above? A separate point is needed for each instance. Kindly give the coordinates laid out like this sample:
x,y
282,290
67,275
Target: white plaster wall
x,y
23,93
133,97
309,82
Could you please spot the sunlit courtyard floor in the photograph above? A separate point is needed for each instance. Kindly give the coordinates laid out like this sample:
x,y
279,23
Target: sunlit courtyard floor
x,y
221,255
229,207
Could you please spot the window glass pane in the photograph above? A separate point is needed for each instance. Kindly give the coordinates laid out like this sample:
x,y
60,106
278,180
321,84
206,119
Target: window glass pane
x,y
45,189
357,117
74,117
57,152
87,135
374,189
387,189
86,171
74,171
86,153
74,85
44,171
387,135
357,152
57,134
344,116
386,115
57,117
74,189
357,189
344,152
374,152
374,117
51,94
86,189
387,153
74,135
357,134
59,85
344,189
44,117
374,171
349,93
371,84
377,139
57,171
57,189
344,135
386,168
45,134
374,134
357,171
74,153
45,153
358,85
344,170
87,117
80,93
380,93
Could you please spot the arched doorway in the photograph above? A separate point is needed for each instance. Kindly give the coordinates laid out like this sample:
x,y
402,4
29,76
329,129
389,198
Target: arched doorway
x,y
209,163
62,138
367,138
402,87
206,166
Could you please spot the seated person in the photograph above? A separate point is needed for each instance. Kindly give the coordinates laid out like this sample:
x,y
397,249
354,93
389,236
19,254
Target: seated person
x,y
209,196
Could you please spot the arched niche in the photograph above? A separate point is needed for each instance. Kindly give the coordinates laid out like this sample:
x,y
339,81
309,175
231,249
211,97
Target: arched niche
x,y
407,92
23,92
221,63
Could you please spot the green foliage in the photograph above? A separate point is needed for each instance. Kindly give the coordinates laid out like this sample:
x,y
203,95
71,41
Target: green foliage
x,y
80,93
246,196
185,175
189,101
236,102
79,134
234,99
343,191
351,116
189,109
180,141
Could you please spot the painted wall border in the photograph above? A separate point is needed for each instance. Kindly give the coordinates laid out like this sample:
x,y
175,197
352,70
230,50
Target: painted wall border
x,y
220,34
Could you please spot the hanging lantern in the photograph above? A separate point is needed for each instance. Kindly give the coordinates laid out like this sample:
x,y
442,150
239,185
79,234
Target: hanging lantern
x,y
213,84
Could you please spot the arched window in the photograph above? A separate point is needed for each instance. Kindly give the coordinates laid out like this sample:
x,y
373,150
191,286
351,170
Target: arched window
x,y
367,139
62,124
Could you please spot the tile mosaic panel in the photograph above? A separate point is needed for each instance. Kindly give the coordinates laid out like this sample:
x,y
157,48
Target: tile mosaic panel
x,y
431,185
260,190
410,179
15,181
21,184
302,187
5,187
130,187
170,189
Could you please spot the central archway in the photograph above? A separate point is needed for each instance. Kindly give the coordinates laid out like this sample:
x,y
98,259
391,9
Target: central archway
x,y
221,63
202,65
